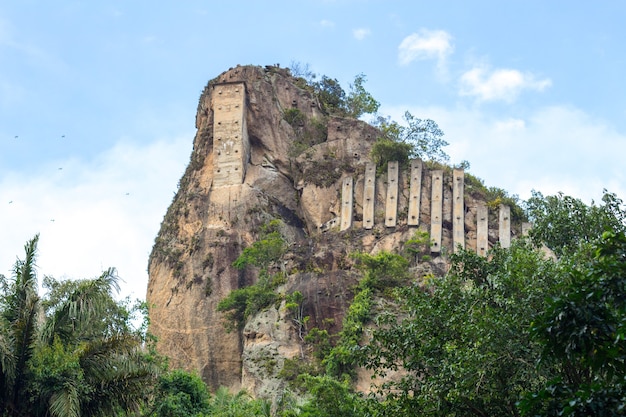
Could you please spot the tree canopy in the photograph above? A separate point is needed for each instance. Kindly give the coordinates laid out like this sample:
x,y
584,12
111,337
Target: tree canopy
x,y
513,333
72,352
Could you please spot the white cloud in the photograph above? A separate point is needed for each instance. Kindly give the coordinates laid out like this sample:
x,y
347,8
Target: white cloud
x,y
554,149
361,33
92,215
499,84
425,45
327,23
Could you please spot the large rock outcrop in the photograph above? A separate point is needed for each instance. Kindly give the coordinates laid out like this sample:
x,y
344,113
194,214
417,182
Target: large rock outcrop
x,y
264,149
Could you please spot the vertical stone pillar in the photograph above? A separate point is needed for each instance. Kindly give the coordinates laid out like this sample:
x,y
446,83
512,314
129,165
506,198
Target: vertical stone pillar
x,y
458,209
346,204
391,207
482,229
415,193
436,210
230,135
504,223
526,226
369,195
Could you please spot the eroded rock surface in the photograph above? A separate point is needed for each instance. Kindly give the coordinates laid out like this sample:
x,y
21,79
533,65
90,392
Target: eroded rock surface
x,y
293,172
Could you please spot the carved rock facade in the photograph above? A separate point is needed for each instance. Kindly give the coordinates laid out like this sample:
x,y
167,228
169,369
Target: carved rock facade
x,y
263,152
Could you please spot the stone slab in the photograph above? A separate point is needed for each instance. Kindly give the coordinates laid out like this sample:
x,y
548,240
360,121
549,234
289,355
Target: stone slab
x,y
230,136
458,209
391,206
346,203
526,226
482,229
436,211
369,195
504,226
415,193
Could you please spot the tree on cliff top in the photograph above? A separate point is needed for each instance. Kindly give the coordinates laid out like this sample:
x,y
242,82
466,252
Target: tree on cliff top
x,y
420,138
334,100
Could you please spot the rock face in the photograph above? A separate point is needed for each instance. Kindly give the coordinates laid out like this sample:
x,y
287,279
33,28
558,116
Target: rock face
x,y
264,149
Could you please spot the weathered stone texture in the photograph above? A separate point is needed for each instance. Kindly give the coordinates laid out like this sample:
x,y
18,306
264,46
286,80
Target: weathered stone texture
x,y
292,172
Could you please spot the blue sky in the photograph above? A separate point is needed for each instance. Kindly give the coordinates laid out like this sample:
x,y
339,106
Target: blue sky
x,y
98,101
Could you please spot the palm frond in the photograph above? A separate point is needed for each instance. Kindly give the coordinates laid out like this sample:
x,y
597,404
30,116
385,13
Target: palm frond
x,y
21,306
7,361
98,357
89,300
121,385
65,403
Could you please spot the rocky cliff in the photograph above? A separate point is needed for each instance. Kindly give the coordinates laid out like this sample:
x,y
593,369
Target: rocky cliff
x,y
265,149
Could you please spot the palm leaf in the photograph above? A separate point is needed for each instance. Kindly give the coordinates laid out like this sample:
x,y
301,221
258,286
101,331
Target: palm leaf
x,y
65,403
19,312
89,300
7,360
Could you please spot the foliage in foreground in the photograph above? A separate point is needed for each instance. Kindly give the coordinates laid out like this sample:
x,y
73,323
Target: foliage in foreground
x,y
72,352
463,342
515,333
583,329
563,223
183,394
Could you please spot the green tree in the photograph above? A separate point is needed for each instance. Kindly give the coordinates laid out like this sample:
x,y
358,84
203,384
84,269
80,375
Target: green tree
x,y
385,150
331,96
19,305
180,394
462,340
359,100
420,138
241,303
381,272
426,137
263,252
328,397
563,223
583,330
225,404
72,353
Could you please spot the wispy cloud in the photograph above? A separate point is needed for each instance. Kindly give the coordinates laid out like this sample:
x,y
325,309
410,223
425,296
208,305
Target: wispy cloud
x,y
361,33
426,45
95,214
502,84
327,23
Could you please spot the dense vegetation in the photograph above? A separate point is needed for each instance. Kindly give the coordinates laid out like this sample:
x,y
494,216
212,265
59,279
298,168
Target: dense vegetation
x,y
417,138
537,329
72,352
514,333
